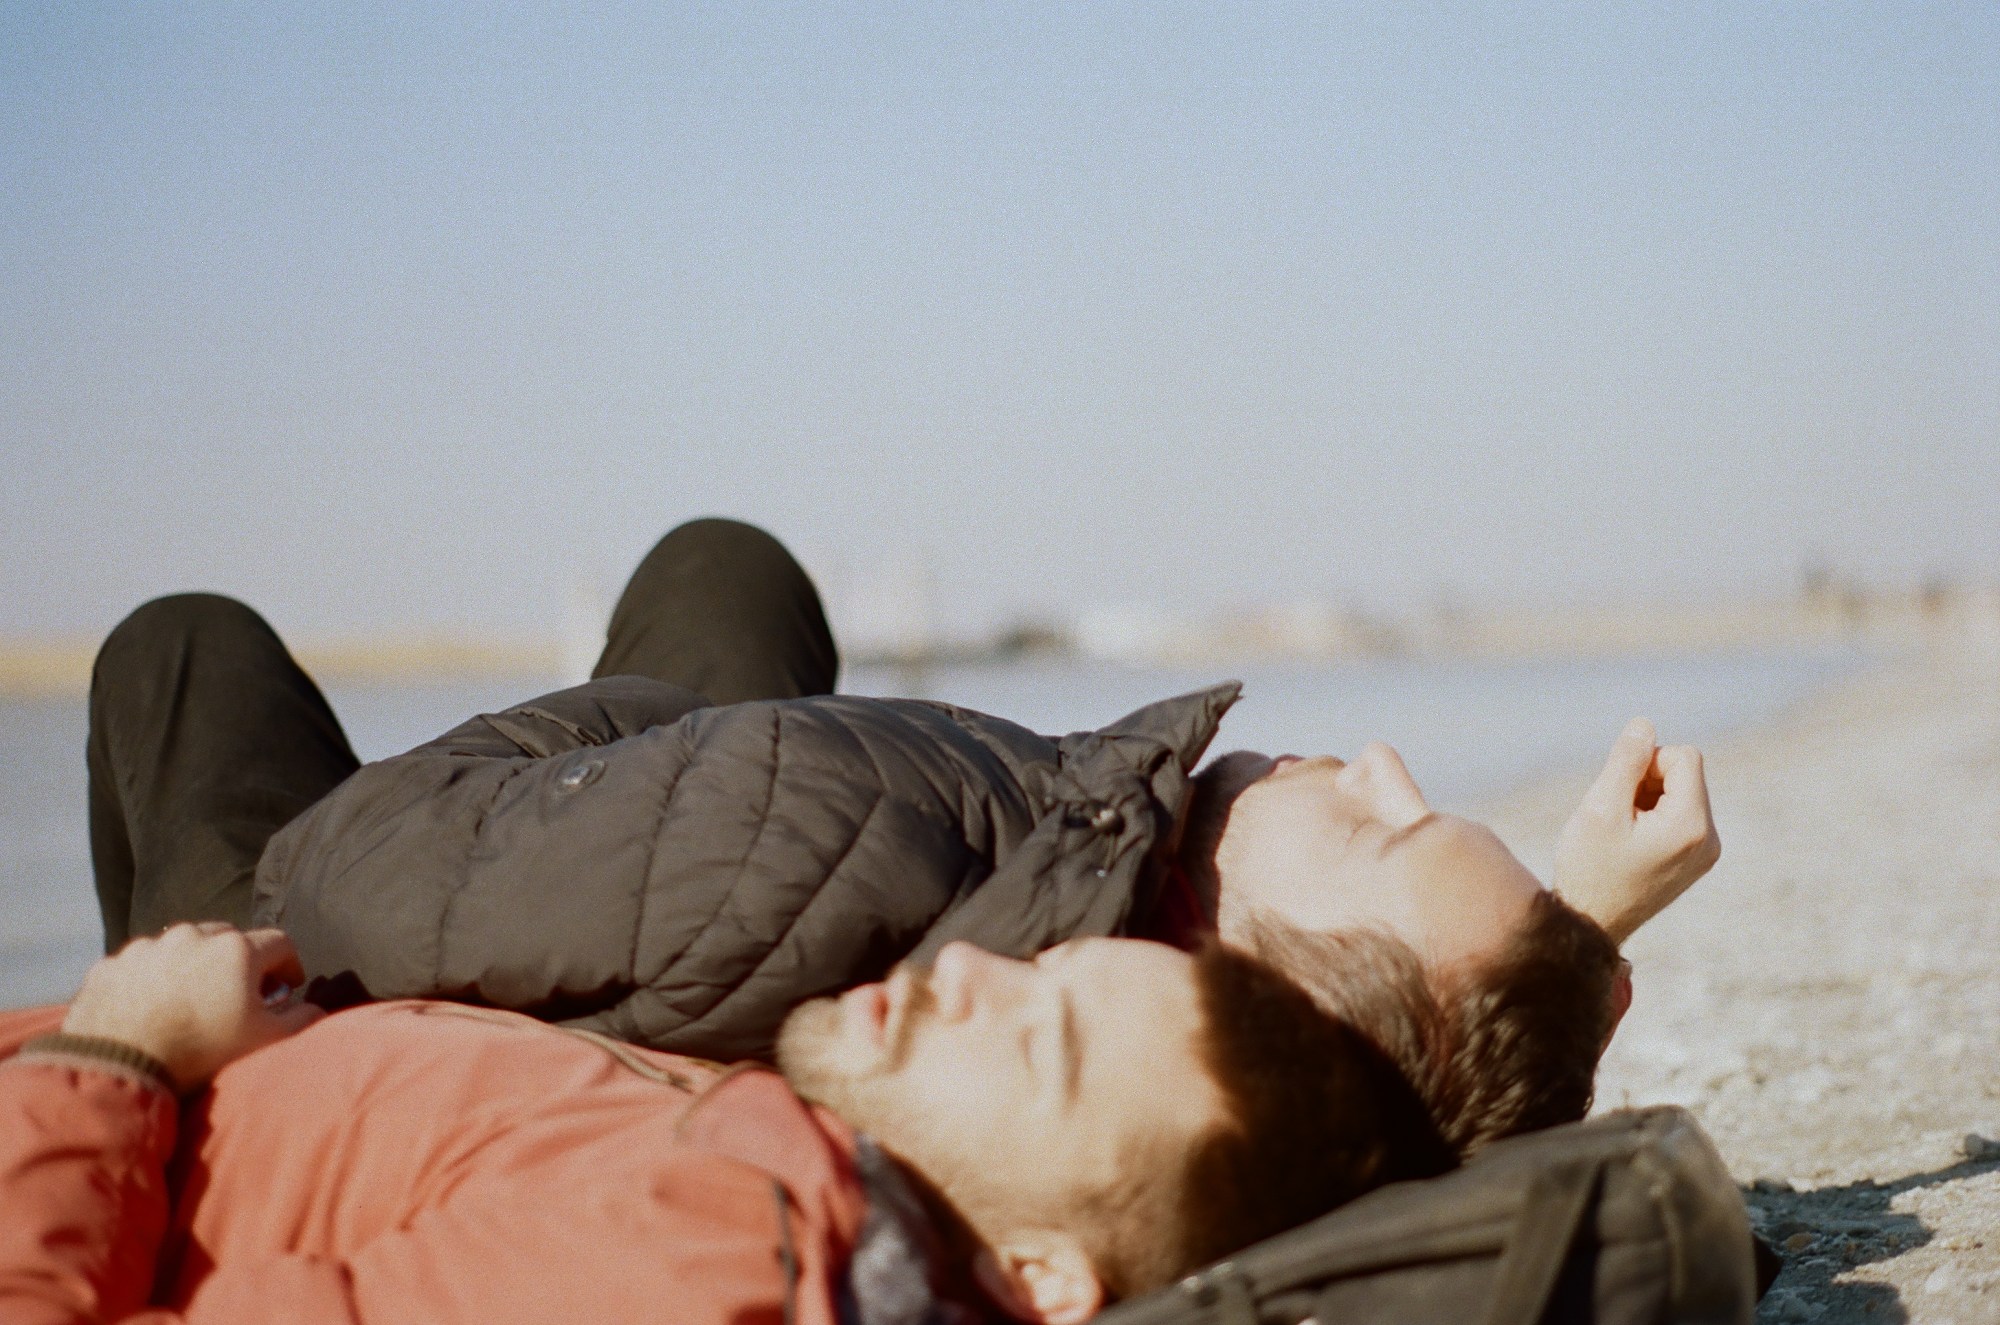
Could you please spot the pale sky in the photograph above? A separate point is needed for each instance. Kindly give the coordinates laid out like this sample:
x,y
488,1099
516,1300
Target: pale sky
x,y
386,317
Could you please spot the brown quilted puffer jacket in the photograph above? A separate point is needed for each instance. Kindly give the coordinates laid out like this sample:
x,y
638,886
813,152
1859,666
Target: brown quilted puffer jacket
x,y
626,857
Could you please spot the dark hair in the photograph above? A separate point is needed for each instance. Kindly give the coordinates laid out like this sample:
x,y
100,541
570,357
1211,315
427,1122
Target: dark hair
x,y
1315,1115
1506,1047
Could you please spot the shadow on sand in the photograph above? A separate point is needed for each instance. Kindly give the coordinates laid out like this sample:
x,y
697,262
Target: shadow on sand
x,y
1828,1231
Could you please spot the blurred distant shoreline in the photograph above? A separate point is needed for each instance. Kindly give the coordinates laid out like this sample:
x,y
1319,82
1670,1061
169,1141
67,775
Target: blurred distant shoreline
x,y
1825,612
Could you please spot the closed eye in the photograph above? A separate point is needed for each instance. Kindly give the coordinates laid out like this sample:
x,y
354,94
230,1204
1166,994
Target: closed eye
x,y
1071,1049
1039,1039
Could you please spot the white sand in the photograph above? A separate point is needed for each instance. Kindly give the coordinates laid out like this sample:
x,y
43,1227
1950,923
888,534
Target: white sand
x,y
1827,1001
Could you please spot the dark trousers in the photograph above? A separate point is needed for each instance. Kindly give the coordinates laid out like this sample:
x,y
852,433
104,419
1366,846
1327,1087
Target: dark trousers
x,y
206,737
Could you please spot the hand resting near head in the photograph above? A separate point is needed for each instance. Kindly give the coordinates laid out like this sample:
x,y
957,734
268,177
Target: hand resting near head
x,y
1642,835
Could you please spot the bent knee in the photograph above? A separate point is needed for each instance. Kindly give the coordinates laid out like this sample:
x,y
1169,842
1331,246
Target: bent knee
x,y
718,534
176,623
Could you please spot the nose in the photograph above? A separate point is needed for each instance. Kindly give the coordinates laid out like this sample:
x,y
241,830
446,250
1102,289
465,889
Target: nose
x,y
1379,779
965,978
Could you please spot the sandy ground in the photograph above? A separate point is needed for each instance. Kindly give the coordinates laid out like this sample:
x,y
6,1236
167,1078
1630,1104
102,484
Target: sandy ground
x,y
1827,1001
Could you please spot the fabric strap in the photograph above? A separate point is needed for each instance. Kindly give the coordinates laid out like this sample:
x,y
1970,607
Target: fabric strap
x,y
1544,1232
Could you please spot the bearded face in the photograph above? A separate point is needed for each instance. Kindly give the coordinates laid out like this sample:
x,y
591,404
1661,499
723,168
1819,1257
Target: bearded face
x,y
1018,1089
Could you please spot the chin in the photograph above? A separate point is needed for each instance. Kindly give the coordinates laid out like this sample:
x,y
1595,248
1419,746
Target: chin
x,y
810,1052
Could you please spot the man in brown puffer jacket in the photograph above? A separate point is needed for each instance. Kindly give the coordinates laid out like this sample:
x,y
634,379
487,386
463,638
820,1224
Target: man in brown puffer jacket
x,y
677,867
679,851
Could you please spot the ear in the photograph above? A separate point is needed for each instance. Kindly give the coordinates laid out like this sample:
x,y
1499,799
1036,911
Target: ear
x,y
1041,1277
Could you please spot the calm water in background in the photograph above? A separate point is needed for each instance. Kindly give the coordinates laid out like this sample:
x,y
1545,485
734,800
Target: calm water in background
x,y
1468,730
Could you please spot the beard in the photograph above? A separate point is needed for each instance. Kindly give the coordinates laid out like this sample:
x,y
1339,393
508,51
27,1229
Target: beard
x,y
809,1053
824,1067
870,1091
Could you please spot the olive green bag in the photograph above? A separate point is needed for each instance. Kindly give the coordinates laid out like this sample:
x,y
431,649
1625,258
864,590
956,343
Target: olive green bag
x,y
1627,1219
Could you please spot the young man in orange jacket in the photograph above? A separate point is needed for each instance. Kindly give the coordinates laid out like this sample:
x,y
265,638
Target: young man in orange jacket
x,y
1032,1137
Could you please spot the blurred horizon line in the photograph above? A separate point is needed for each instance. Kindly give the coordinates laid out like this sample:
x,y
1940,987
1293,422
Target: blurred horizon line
x,y
1825,611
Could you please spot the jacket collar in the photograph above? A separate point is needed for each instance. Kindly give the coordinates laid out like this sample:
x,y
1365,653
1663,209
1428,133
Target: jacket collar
x,y
896,1274
1184,724
843,1183
1111,807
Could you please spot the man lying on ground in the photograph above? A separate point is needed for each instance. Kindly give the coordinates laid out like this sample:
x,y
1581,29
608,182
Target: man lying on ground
x,y
676,852
991,1133
1341,875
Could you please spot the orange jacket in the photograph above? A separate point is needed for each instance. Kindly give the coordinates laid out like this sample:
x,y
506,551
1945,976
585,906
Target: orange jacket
x,y
420,1162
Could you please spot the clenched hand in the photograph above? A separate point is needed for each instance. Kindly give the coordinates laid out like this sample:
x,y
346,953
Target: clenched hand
x,y
197,997
1642,835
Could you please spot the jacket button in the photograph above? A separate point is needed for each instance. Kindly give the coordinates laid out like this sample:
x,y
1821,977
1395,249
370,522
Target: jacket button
x,y
581,775
1107,820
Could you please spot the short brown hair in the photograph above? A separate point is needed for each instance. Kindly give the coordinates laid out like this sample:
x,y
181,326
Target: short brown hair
x,y
1316,1115
1507,1047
